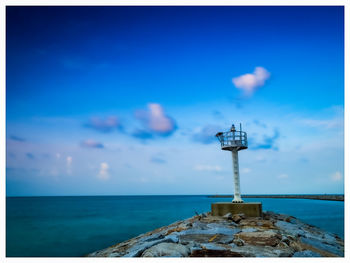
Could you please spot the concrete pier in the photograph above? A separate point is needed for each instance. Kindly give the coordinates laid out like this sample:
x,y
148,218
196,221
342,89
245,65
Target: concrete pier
x,y
248,209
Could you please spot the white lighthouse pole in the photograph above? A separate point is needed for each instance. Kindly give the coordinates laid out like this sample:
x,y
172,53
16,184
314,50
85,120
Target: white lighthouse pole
x,y
237,192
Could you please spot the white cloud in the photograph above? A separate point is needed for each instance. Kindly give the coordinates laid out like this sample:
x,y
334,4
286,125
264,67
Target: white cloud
x,y
144,180
209,168
246,170
69,160
260,158
249,83
282,176
336,177
58,155
69,164
327,124
220,177
90,143
103,173
104,125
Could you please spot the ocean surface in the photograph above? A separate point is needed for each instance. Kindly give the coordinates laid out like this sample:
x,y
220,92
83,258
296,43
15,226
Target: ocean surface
x,y
75,226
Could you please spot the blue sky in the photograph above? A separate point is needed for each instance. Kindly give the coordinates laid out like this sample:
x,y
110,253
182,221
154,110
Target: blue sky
x,y
127,100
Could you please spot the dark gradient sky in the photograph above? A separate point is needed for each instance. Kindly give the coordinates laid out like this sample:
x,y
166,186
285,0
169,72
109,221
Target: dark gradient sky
x,y
66,65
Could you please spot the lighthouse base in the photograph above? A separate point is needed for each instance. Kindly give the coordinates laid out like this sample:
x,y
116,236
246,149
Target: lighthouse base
x,y
248,209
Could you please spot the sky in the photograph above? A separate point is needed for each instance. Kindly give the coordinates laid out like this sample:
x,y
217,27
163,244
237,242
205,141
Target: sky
x,y
127,100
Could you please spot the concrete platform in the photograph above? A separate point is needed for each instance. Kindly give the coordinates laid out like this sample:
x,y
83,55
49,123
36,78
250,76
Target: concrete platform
x,y
249,209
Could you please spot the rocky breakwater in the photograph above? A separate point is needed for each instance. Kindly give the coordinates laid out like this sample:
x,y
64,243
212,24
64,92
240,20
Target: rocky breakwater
x,y
273,235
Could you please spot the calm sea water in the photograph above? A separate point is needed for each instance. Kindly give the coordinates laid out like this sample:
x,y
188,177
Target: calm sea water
x,y
75,226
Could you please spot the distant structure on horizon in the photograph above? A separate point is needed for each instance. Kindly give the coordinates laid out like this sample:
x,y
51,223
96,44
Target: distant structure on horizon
x,y
234,141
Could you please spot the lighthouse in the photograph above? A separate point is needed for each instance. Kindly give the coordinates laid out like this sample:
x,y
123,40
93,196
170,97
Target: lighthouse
x,y
234,141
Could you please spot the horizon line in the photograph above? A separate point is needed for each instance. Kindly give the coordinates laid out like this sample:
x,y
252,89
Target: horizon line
x,y
163,195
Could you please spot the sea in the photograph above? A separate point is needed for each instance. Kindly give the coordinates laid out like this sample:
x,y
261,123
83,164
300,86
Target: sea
x,y
73,226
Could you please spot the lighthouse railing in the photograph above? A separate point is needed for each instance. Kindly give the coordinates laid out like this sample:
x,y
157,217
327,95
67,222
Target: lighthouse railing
x,y
233,138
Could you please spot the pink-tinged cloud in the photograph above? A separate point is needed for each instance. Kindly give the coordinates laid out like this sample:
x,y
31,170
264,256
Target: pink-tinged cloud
x,y
104,125
155,122
337,176
91,144
249,83
158,122
103,174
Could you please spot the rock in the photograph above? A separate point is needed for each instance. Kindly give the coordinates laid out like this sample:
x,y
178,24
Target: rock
x,y
238,217
262,251
296,246
228,216
242,215
318,244
292,238
197,238
166,250
213,230
283,217
238,242
266,238
265,224
329,238
267,215
199,225
290,229
306,253
257,223
223,239
173,237
203,215
214,253
249,229
211,246
286,240
176,229
137,250
289,219
205,238
223,224
282,245
114,255
152,237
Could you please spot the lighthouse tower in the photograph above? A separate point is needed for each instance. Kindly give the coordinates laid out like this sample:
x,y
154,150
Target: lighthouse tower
x,y
234,141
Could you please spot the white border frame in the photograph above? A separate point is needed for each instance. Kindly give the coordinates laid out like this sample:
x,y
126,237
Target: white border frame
x,y
5,3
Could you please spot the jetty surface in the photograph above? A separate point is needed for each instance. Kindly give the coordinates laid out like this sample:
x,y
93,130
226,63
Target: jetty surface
x,y
272,235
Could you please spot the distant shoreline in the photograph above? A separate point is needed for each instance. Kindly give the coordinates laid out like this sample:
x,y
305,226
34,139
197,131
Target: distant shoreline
x,y
315,197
